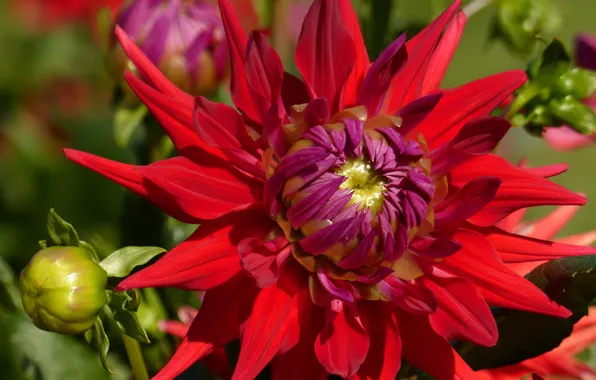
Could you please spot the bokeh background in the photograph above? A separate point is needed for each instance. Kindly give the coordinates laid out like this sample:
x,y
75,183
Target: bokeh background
x,y
55,92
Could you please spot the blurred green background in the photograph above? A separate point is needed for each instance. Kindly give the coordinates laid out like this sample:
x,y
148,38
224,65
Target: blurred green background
x,y
54,93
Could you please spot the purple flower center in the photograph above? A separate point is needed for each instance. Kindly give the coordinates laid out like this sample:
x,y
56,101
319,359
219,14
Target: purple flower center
x,y
353,195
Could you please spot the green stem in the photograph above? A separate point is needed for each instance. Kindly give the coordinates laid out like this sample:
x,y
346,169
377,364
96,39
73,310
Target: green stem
x,y
135,356
476,5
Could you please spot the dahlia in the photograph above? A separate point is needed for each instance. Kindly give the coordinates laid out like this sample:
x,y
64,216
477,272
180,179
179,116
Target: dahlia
x,y
348,217
560,361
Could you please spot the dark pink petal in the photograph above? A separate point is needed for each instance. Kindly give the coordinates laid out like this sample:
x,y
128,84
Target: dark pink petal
x,y
513,248
208,258
350,21
325,54
436,356
378,78
301,362
465,103
434,247
408,85
293,91
223,310
461,313
416,111
410,296
193,192
468,201
443,53
384,356
565,138
585,51
342,345
237,43
264,74
476,138
478,261
149,72
520,188
273,326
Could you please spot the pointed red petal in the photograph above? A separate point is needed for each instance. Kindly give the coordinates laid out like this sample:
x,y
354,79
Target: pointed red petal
x,y
514,248
273,327
467,102
461,313
350,21
223,310
384,357
520,188
547,227
478,261
125,175
325,53
342,345
150,73
443,53
408,85
237,43
175,118
435,356
301,362
206,259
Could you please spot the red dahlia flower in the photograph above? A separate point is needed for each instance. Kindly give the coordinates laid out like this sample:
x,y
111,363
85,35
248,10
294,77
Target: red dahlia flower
x,y
348,218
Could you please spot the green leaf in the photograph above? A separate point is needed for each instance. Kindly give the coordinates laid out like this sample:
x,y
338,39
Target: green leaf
x,y
551,64
101,342
120,263
126,122
574,113
61,232
571,282
123,306
8,283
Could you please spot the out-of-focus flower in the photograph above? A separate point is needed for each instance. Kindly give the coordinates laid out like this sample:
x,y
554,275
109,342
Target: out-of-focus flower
x,y
63,289
185,39
51,13
565,138
345,217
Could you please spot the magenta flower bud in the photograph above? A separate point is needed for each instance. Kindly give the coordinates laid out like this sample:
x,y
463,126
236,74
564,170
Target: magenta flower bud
x,y
183,38
63,289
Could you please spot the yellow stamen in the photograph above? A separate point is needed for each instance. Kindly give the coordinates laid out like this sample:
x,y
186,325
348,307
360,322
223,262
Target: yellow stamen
x,y
366,184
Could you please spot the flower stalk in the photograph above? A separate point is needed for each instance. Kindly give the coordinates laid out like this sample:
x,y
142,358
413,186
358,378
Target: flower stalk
x,y
135,357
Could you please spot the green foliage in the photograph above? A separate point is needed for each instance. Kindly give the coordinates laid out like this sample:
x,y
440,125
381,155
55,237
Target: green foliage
x,y
571,282
124,306
123,261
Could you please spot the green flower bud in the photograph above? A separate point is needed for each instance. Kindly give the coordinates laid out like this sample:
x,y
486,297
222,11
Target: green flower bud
x,y
574,113
63,289
520,23
575,82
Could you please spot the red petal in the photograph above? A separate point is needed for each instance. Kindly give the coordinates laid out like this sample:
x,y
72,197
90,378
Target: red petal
x,y
350,21
384,356
443,53
549,170
407,86
175,328
547,227
237,43
223,310
416,111
208,258
478,261
473,197
476,138
342,345
520,188
125,175
378,78
461,313
430,352
194,192
264,73
470,101
175,118
293,91
325,53
150,73
272,327
513,248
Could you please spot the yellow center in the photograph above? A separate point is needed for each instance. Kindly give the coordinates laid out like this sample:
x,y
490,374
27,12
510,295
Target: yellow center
x,y
366,184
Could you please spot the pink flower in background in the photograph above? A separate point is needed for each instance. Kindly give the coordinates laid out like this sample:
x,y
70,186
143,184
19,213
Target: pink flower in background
x,y
565,138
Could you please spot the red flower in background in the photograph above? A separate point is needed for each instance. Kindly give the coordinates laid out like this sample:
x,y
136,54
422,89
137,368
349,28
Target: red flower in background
x,y
347,219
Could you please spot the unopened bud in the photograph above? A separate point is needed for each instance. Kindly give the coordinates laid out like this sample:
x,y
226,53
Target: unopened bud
x,y
63,289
